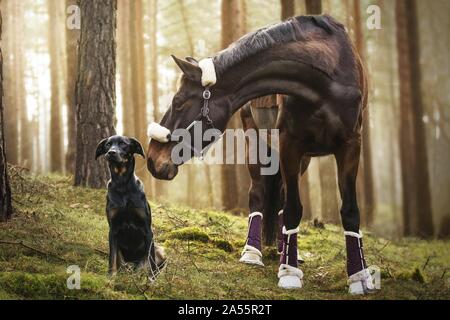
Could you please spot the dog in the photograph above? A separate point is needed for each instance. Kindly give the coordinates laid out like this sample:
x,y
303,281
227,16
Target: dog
x,y
127,210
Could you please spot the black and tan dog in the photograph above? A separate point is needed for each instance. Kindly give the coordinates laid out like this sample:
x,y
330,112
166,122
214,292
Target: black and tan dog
x,y
128,212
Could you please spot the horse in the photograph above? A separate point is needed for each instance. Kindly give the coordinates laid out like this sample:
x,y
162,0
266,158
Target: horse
x,y
313,63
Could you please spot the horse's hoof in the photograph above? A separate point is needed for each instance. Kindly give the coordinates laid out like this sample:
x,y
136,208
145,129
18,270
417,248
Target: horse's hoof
x,y
251,255
290,282
290,277
361,283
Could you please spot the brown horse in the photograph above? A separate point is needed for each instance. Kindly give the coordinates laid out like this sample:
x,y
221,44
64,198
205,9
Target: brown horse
x,y
312,61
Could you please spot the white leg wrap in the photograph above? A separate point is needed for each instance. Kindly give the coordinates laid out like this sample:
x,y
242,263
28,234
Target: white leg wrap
x,y
353,234
289,277
361,282
254,214
251,255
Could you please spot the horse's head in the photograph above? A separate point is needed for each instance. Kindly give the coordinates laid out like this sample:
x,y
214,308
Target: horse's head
x,y
185,110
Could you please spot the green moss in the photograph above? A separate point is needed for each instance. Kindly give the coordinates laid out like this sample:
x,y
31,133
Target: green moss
x,y
66,225
225,245
190,234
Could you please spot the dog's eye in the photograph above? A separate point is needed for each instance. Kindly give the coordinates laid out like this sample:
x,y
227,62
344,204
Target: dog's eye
x,y
108,144
123,144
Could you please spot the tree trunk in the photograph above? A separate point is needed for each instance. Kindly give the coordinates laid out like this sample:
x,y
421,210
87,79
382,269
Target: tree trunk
x,y
154,57
366,171
158,186
123,49
417,213
5,190
233,27
328,188
96,89
313,6
56,132
287,9
19,89
11,126
138,88
72,37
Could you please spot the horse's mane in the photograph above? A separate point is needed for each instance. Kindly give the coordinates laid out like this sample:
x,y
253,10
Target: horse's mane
x,y
292,30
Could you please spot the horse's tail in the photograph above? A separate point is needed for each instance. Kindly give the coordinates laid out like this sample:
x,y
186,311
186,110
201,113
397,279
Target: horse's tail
x,y
273,203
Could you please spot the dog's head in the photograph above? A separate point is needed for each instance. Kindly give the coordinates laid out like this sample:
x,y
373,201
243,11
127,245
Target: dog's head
x,y
119,149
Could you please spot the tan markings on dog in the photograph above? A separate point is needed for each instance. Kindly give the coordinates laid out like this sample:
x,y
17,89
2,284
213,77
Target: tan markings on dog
x,y
122,170
112,213
140,213
116,170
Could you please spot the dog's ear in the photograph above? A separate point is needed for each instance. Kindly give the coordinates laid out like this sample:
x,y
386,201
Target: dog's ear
x,y
100,148
136,147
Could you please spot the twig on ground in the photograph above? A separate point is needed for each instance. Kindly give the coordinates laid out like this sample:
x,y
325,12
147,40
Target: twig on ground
x,y
426,263
385,245
22,244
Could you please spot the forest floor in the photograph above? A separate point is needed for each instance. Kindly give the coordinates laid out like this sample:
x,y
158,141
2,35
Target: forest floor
x,y
56,225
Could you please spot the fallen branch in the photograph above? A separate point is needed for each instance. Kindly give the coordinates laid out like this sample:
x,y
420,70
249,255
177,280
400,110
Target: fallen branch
x,y
22,244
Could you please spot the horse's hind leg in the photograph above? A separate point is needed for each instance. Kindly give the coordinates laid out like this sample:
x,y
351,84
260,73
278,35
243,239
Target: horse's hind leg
x,y
347,158
304,164
290,277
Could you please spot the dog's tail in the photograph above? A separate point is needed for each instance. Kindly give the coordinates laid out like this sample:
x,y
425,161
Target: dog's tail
x,y
158,260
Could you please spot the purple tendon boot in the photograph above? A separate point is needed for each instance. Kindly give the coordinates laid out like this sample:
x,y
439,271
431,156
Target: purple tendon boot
x,y
252,249
290,276
280,239
359,279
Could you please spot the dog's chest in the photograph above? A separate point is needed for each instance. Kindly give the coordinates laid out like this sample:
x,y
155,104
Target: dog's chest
x,y
127,217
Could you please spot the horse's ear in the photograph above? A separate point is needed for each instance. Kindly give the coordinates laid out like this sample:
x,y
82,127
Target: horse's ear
x,y
192,60
137,147
190,70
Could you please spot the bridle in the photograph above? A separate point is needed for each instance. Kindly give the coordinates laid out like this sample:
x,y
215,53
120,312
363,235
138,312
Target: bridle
x,y
204,111
203,116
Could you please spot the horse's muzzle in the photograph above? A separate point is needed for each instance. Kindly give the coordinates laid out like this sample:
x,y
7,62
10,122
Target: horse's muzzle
x,y
163,171
159,161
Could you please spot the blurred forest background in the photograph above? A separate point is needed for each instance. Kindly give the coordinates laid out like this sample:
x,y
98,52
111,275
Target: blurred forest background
x,y
404,179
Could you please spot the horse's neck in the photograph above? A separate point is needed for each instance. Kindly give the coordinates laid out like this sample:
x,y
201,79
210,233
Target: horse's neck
x,y
265,75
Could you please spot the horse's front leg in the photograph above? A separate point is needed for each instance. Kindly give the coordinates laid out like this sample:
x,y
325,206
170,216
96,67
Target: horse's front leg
x,y
347,158
252,253
290,276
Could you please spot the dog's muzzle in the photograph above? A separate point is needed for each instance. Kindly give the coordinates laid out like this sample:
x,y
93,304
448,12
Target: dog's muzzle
x,y
158,132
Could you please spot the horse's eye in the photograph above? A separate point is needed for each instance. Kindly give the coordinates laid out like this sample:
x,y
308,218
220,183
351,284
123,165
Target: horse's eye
x,y
181,106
